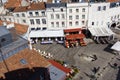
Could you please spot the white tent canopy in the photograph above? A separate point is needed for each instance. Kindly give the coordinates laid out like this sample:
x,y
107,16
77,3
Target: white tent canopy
x,y
100,31
116,46
47,33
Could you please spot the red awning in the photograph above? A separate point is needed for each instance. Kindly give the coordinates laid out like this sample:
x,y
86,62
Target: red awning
x,y
72,30
75,36
59,66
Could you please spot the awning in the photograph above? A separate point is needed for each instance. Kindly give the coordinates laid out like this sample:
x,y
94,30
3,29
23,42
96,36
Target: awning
x,y
75,36
72,30
116,46
100,31
47,33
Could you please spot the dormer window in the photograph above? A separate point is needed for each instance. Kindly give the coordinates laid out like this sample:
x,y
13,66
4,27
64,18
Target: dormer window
x,y
36,13
23,15
99,8
30,13
104,7
17,15
43,13
62,9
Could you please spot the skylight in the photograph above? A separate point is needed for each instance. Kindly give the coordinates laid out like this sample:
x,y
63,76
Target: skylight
x,y
23,61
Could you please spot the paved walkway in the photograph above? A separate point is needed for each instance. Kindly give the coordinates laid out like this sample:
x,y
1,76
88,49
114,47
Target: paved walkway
x,y
72,57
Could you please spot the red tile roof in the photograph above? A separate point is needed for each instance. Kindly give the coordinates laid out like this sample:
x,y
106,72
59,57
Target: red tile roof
x,y
75,36
13,3
20,9
21,29
36,6
59,66
33,59
113,0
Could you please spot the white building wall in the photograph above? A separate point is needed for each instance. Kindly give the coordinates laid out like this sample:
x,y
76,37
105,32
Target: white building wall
x,y
103,17
21,17
55,22
74,10
40,16
114,15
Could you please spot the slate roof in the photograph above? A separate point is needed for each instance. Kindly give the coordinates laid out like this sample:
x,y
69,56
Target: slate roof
x,y
50,5
3,31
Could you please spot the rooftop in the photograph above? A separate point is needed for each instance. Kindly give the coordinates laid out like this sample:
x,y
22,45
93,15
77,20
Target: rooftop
x,y
3,31
24,59
50,5
20,9
20,29
36,6
59,66
12,3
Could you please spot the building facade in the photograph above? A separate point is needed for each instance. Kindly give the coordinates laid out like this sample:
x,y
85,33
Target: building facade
x,y
58,15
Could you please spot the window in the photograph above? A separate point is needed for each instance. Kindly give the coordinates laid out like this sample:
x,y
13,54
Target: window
x,y
76,23
30,13
17,15
118,16
53,10
83,9
99,8
10,19
83,16
77,10
23,15
70,23
111,17
63,16
38,28
57,16
44,28
43,13
92,23
31,21
57,24
32,28
36,13
24,21
52,24
44,21
114,17
77,16
70,17
83,22
5,19
37,21
70,10
3,40
104,7
62,9
63,24
52,16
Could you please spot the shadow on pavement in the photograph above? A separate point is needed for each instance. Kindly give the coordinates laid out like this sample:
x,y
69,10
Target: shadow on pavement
x,y
108,49
118,75
36,73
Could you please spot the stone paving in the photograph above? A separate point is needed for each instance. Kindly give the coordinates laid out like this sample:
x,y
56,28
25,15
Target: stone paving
x,y
73,57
